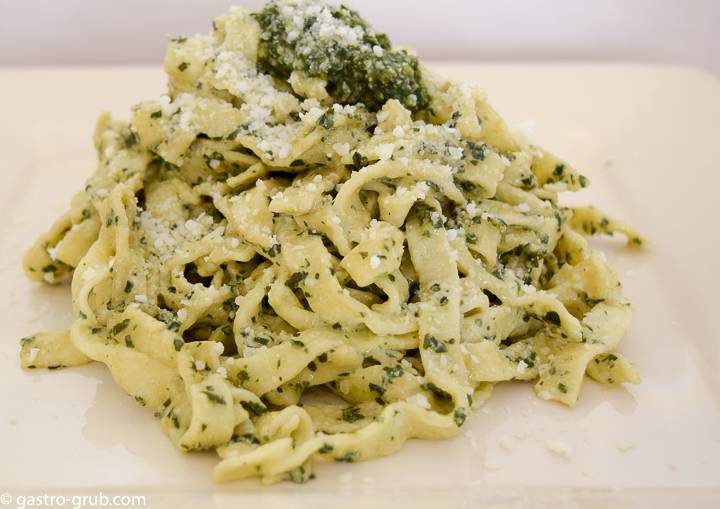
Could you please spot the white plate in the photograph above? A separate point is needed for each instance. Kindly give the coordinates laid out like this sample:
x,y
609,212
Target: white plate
x,y
646,136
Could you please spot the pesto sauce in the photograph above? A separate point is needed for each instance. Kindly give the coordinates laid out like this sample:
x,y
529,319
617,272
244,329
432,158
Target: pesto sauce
x,y
362,70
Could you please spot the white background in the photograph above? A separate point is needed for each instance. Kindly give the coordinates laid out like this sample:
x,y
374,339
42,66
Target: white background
x,y
82,32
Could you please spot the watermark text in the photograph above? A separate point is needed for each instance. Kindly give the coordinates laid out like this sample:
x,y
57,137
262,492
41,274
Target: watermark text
x,y
74,501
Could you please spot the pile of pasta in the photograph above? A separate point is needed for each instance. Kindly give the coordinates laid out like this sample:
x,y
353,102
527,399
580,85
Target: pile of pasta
x,y
283,277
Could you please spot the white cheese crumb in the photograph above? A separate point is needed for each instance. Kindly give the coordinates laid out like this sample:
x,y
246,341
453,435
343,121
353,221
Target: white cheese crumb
x,y
524,207
382,116
220,347
249,351
374,262
521,367
544,395
378,51
230,361
345,478
624,446
89,273
559,447
234,243
528,289
455,152
285,151
507,442
398,132
194,227
342,149
385,151
33,354
199,365
336,219
182,313
222,371
419,400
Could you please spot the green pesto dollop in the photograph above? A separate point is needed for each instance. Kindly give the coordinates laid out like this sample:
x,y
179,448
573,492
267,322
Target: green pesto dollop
x,y
317,40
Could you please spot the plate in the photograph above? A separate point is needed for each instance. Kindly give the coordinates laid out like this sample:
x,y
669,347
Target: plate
x,y
646,138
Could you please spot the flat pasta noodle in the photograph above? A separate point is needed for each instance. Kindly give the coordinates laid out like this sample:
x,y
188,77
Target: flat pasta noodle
x,y
283,265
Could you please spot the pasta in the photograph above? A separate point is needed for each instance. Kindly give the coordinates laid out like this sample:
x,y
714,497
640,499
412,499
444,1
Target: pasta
x,y
314,245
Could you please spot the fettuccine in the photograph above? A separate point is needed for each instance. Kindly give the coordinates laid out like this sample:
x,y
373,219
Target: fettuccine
x,y
314,245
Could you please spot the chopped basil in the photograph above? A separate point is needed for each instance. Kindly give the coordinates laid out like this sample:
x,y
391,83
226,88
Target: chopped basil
x,y
326,121
553,318
377,388
296,343
460,416
119,327
215,398
254,408
349,457
351,414
393,371
296,279
431,342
